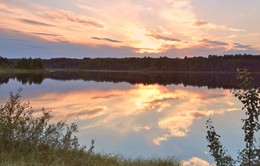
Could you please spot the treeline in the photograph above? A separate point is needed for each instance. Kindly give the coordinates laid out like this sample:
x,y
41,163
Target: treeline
x,y
4,62
23,63
210,63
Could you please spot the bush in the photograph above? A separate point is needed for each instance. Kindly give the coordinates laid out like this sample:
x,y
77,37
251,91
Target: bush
x,y
29,138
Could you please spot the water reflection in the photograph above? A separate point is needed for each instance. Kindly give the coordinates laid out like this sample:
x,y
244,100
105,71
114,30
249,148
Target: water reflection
x,y
175,108
138,119
24,78
211,80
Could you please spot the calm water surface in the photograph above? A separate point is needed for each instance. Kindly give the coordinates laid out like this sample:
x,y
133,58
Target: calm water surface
x,y
140,119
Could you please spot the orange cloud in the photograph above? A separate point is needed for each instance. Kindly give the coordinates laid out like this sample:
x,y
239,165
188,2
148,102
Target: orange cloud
x,y
200,23
36,23
2,6
62,15
87,113
161,37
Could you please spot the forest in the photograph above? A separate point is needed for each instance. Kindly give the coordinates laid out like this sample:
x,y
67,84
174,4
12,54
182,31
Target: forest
x,y
23,63
212,63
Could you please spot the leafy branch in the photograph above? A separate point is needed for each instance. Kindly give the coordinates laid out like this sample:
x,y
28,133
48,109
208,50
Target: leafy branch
x,y
250,98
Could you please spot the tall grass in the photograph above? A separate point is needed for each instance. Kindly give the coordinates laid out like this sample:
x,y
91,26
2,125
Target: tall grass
x,y
29,140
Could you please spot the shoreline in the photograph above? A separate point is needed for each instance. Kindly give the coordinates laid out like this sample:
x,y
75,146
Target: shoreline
x,y
21,71
50,70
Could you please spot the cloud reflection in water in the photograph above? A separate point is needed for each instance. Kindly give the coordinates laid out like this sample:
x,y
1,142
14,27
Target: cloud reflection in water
x,y
175,108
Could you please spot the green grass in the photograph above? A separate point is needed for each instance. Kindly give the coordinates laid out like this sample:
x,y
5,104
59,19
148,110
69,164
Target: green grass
x,y
94,159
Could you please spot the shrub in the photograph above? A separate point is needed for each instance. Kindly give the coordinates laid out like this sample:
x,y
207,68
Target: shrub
x,y
27,137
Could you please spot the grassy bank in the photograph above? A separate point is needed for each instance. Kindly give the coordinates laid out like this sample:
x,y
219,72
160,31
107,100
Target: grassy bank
x,y
78,159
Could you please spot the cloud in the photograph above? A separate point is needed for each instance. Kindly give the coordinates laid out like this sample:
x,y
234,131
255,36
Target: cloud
x,y
160,103
242,46
139,128
2,5
11,39
198,114
33,22
179,123
176,127
4,8
214,42
88,23
213,96
165,99
104,96
161,37
87,113
200,23
40,47
252,51
203,49
192,106
71,17
60,24
107,39
45,34
158,140
196,162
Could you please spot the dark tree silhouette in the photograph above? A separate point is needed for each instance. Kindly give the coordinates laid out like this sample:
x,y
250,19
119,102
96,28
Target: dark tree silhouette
x,y
212,63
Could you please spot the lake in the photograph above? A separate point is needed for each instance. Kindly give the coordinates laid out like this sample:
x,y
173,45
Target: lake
x,y
138,114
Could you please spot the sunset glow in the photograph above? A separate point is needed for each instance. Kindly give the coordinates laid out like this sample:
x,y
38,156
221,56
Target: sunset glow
x,y
175,28
177,109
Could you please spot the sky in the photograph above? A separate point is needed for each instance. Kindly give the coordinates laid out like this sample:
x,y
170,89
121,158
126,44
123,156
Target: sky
x,y
128,28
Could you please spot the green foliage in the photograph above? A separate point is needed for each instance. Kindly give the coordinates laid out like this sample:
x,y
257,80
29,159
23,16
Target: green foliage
x,y
29,63
3,62
216,149
26,139
249,97
24,136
